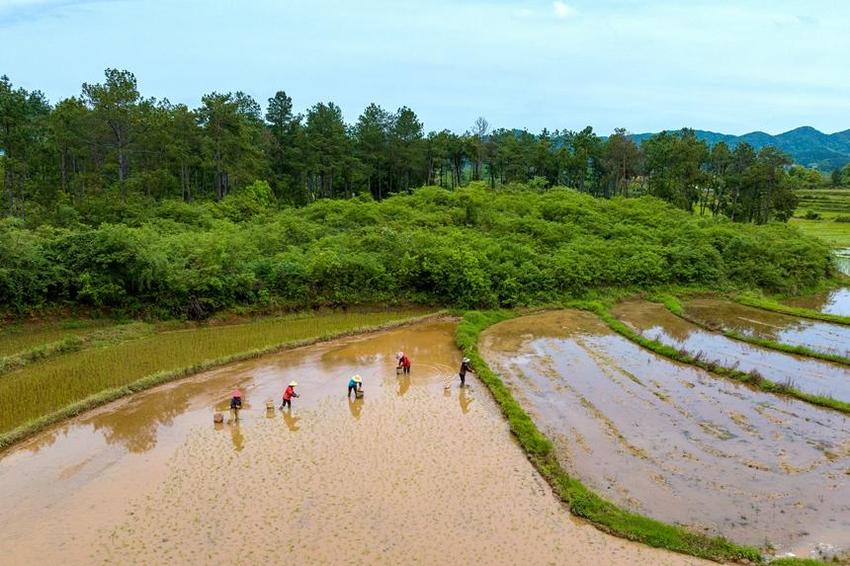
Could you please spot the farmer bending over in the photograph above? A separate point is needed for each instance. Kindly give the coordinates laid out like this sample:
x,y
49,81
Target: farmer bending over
x,y
355,384
403,363
464,367
288,394
236,401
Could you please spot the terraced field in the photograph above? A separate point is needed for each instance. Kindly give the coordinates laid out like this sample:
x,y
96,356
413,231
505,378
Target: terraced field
x,y
819,336
813,376
674,442
829,204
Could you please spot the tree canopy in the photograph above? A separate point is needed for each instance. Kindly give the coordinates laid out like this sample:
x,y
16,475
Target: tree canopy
x,y
110,142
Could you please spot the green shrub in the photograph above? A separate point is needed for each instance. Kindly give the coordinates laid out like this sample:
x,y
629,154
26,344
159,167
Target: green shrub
x,y
469,248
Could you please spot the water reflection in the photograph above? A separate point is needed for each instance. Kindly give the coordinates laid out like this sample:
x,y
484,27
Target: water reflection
x,y
821,336
136,426
836,301
813,376
236,436
464,399
356,407
291,420
403,384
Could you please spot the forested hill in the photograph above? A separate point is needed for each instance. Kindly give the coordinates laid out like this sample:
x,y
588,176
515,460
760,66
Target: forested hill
x,y
806,145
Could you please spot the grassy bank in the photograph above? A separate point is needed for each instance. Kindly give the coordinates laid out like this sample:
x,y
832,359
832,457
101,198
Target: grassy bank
x,y
580,499
41,394
764,303
753,379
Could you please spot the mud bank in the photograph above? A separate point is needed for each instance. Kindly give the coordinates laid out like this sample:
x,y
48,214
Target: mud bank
x,y
819,336
413,472
810,375
672,441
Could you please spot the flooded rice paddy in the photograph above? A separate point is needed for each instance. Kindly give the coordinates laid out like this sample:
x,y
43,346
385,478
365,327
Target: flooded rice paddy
x,y
836,301
674,442
819,336
810,375
413,472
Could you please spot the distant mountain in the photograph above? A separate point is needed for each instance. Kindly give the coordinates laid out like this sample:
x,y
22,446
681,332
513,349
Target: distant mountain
x,y
806,145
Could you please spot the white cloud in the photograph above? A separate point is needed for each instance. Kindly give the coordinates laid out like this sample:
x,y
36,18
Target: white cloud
x,y
562,10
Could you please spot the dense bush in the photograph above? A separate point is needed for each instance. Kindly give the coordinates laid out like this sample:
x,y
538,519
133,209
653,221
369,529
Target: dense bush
x,y
468,248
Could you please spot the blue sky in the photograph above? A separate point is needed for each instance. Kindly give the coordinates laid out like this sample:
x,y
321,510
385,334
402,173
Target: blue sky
x,y
722,65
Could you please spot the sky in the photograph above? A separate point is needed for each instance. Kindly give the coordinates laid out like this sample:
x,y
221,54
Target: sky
x,y
729,66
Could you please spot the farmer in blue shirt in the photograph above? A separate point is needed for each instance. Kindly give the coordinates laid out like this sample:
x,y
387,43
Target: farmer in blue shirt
x,y
355,384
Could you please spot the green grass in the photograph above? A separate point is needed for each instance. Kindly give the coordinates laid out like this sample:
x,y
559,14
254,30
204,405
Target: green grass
x,y
837,234
764,303
829,203
73,343
580,499
21,337
46,392
753,379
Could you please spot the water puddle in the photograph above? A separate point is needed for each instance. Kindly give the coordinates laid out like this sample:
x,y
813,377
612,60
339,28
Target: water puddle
x,y
675,443
836,301
812,376
412,470
819,336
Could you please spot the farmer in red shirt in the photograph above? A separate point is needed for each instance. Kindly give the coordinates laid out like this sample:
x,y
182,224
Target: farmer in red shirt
x,y
288,394
403,363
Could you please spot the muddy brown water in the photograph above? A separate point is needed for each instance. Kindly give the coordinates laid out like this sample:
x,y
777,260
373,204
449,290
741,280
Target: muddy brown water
x,y
836,301
819,336
810,375
674,442
413,472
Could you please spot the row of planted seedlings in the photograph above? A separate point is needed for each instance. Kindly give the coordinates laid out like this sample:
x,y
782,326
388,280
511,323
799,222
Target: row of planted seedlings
x,y
40,394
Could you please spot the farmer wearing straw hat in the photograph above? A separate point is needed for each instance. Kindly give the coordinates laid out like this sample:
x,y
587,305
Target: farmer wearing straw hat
x,y
465,366
355,384
288,394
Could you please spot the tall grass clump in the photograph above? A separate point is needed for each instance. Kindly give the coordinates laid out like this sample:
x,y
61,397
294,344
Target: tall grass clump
x,y
580,499
42,391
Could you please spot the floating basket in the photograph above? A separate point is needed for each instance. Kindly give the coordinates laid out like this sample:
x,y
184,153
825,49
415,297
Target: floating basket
x,y
398,371
270,405
358,393
218,418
